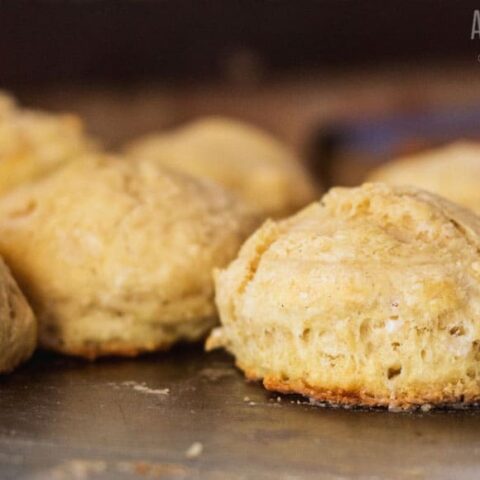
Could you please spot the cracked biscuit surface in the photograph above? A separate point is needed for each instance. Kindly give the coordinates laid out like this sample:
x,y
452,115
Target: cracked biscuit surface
x,y
370,297
452,171
242,158
34,143
18,327
116,256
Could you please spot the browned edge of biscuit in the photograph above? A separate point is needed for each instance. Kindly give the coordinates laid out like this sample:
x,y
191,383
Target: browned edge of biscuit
x,y
359,398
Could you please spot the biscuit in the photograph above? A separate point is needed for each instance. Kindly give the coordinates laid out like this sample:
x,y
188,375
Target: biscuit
x,y
370,297
33,143
452,171
18,327
116,256
240,157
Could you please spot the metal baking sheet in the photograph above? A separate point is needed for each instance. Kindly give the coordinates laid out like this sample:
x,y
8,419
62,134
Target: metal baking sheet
x,y
190,415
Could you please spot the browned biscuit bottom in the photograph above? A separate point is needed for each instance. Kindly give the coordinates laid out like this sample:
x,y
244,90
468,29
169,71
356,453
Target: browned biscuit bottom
x,y
363,399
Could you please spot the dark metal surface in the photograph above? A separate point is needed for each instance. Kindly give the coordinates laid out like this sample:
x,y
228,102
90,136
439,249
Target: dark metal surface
x,y
66,419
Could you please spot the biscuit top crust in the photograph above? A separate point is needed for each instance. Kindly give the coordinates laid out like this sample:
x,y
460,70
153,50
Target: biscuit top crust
x,y
105,231
371,223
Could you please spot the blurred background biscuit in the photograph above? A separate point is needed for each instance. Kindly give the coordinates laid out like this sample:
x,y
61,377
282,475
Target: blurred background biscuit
x,y
452,171
33,143
242,158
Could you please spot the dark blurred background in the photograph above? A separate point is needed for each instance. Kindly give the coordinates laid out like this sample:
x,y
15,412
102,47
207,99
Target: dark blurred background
x,y
347,83
123,40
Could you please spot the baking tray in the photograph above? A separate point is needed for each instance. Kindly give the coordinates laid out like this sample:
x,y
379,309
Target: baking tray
x,y
190,415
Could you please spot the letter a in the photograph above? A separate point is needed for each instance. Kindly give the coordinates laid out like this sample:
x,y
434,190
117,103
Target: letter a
x,y
475,25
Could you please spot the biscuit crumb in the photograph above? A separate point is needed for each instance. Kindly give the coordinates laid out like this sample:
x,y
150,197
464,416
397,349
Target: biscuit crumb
x,y
395,409
142,387
152,391
195,450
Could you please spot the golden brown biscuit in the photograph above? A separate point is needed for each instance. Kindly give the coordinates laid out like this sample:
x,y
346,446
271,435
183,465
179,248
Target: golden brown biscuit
x,y
116,257
240,157
18,327
33,143
369,297
452,171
